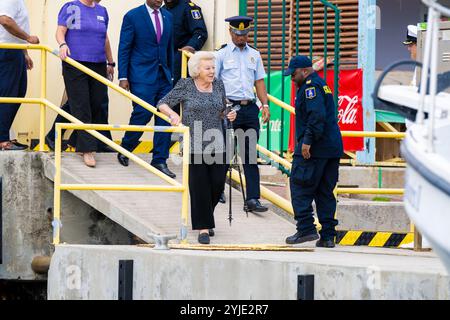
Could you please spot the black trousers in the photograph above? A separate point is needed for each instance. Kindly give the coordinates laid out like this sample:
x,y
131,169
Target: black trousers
x,y
206,183
86,96
73,136
314,179
248,122
13,83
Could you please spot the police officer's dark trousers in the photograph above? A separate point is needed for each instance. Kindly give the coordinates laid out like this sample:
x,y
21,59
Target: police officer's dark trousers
x,y
246,128
13,83
314,179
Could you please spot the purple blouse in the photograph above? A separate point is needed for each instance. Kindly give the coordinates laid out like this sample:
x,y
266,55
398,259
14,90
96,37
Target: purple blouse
x,y
86,30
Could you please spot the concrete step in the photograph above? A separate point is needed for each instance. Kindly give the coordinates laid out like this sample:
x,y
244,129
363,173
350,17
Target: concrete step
x,y
363,177
355,212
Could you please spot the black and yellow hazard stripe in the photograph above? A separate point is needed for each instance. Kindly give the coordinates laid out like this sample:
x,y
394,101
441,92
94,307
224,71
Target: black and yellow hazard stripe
x,y
143,147
373,239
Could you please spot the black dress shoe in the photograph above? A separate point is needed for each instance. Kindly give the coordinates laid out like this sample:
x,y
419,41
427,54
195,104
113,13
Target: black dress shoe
x,y
164,169
203,238
20,145
254,205
106,149
50,143
123,160
222,198
298,238
9,146
211,232
325,243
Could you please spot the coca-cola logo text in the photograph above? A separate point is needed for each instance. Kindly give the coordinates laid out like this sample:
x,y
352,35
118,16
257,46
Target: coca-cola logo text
x,y
348,110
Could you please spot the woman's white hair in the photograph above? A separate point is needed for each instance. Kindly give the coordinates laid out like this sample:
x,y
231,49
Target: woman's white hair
x,y
194,62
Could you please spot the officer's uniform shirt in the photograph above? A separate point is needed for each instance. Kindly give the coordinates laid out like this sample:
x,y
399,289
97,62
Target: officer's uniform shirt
x,y
16,10
316,121
189,25
239,69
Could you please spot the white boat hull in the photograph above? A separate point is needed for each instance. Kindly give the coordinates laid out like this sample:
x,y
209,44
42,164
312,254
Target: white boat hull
x,y
429,208
427,192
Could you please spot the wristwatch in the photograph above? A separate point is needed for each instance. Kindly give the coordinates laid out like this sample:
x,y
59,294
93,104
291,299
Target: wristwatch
x,y
112,64
265,105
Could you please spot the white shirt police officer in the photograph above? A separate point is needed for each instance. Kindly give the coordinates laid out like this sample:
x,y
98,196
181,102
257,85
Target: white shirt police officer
x,y
240,67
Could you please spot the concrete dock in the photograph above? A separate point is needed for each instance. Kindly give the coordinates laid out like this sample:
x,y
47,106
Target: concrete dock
x,y
91,272
97,226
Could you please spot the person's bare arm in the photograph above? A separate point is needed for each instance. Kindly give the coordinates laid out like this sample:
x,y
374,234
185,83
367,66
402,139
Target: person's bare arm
x,y
12,27
175,119
109,58
28,61
261,92
64,50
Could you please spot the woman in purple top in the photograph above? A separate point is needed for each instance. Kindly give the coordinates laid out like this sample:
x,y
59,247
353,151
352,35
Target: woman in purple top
x,y
82,36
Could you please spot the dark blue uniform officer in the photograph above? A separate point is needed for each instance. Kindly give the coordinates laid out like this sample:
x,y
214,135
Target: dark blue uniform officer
x,y
315,168
189,30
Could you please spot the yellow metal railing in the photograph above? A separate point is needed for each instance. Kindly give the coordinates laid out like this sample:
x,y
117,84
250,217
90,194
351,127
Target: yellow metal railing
x,y
175,186
44,51
91,129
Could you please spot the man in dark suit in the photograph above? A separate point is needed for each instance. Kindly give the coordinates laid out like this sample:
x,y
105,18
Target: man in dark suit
x,y
146,69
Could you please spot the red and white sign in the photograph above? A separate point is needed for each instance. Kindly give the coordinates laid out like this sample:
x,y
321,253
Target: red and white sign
x,y
350,110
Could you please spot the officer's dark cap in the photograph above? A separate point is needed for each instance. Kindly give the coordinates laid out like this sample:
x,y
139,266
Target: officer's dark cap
x,y
240,25
296,63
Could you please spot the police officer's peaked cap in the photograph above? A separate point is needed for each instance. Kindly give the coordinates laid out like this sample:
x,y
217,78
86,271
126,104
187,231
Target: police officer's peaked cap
x,y
297,62
240,25
411,35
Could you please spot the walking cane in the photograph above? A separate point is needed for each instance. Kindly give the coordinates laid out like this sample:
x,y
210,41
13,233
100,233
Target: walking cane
x,y
234,160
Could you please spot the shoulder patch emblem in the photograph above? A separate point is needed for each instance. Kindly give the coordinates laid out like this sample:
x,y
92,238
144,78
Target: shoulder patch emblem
x,y
327,90
252,47
310,93
223,46
196,14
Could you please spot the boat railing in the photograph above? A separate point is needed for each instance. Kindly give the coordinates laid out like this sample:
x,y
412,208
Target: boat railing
x,y
430,62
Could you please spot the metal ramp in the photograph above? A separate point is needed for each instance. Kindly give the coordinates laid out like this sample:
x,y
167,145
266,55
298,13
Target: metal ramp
x,y
160,212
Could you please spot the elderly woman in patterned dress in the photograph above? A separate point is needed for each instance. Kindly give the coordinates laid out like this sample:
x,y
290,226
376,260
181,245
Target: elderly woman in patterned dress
x,y
203,103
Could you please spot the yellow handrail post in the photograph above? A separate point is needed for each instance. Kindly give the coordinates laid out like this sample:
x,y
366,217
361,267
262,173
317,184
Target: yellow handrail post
x,y
43,96
417,238
184,62
56,224
185,194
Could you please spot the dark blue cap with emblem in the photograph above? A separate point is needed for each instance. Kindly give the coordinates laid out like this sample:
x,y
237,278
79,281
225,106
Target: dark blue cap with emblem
x,y
240,25
297,62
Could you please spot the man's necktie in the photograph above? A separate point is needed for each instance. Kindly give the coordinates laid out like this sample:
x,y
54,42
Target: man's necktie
x,y
158,25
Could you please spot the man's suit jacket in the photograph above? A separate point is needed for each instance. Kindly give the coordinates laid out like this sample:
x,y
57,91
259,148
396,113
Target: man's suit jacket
x,y
140,55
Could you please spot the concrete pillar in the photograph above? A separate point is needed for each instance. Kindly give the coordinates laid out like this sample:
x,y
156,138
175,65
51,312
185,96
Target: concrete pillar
x,y
366,61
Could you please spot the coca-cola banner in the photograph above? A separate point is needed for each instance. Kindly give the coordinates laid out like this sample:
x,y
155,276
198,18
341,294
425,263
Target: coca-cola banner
x,y
350,110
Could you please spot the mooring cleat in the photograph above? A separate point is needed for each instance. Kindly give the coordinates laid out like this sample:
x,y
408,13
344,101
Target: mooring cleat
x,y
161,241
